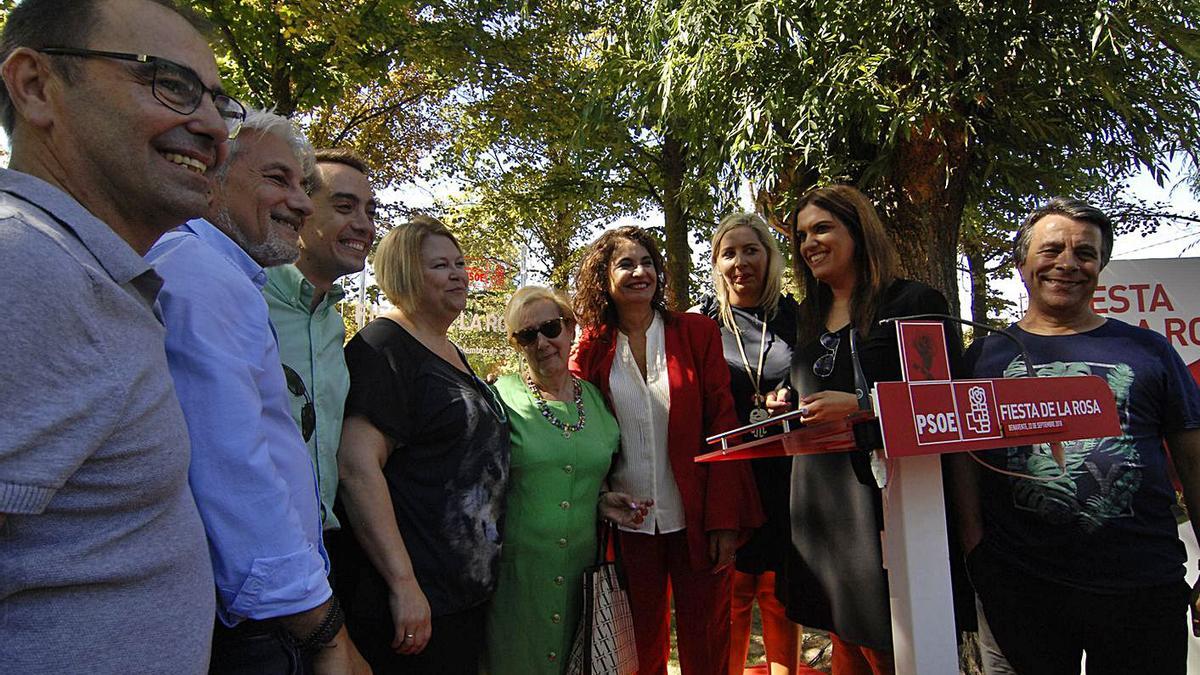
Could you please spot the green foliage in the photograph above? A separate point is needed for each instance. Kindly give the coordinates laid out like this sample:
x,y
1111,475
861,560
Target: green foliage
x,y
842,84
529,175
391,122
938,108
557,119
296,55
354,73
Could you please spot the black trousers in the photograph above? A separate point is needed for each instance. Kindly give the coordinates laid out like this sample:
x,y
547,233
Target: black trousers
x,y
1043,628
255,648
454,647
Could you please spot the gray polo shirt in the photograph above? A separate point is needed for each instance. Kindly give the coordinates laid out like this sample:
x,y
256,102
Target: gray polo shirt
x,y
103,561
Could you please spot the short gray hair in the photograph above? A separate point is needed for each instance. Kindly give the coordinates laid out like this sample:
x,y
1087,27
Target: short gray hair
x,y
526,296
266,122
1069,207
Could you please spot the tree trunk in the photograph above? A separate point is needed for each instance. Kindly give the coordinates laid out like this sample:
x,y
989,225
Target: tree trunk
x,y
678,253
928,194
777,201
558,248
976,264
283,98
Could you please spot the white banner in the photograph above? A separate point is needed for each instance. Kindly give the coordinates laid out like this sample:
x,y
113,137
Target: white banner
x,y
1162,294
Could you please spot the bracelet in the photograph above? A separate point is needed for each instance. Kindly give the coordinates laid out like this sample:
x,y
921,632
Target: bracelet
x,y
324,633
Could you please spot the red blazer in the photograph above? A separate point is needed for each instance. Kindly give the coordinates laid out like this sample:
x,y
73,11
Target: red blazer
x,y
716,496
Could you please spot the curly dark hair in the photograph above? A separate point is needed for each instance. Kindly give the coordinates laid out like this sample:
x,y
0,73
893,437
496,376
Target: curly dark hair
x,y
593,305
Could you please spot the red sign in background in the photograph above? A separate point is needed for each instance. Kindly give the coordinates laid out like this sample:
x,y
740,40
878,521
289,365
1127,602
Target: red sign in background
x,y
1162,294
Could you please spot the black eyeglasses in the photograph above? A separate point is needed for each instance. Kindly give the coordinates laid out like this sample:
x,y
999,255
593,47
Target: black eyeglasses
x,y
308,414
823,366
174,85
551,329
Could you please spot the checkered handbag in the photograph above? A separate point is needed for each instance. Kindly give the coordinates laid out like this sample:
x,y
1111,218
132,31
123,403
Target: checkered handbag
x,y
604,642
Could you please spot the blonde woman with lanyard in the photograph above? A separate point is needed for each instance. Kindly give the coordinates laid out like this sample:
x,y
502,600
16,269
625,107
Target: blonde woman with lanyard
x,y
758,329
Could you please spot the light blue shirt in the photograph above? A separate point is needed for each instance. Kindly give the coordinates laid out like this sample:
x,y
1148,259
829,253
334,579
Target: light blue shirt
x,y
250,471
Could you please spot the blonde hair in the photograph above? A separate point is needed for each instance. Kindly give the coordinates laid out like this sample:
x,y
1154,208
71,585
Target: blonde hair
x,y
527,295
397,263
768,299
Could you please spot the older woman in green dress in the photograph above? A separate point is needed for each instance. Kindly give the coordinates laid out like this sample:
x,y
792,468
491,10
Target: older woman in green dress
x,y
563,440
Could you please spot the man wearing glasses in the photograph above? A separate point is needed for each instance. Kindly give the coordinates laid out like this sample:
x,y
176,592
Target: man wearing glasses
x,y
250,471
116,119
303,299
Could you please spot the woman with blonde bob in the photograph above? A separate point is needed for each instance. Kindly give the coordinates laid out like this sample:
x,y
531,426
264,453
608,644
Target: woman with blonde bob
x,y
424,466
758,330
664,375
835,578
563,442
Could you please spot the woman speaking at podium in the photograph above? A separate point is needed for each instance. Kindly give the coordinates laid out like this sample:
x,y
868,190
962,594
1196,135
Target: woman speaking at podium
x,y
834,575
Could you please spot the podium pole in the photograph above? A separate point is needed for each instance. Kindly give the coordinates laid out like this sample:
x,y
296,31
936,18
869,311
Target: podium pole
x,y
917,560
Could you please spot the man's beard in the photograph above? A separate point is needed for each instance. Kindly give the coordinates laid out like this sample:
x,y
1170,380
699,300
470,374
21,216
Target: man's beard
x,y
271,252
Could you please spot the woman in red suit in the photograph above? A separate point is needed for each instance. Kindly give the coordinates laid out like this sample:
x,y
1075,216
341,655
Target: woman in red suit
x,y
664,375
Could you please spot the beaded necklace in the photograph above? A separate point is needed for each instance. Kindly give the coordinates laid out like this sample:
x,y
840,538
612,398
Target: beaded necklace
x,y
567,429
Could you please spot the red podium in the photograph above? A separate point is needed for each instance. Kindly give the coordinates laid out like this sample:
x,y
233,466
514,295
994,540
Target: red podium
x,y
913,422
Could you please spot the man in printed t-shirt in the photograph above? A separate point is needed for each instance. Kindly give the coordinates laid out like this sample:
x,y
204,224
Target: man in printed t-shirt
x,y
1086,559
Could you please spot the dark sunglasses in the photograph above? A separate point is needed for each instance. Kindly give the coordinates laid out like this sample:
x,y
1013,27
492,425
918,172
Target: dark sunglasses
x,y
174,85
823,366
551,329
308,414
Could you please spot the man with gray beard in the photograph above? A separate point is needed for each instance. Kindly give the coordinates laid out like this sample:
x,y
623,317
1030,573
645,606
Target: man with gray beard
x,y
250,472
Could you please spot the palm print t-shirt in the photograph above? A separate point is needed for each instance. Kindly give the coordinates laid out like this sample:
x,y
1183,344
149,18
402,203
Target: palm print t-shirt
x,y
1107,525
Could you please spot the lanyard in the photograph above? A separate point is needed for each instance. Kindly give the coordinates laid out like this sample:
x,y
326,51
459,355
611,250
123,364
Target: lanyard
x,y
755,378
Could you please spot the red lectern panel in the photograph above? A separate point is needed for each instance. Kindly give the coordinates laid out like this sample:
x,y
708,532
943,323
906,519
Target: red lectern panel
x,y
923,418
938,415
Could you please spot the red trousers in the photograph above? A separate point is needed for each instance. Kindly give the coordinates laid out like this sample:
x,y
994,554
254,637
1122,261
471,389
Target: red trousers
x,y
852,659
657,568
781,637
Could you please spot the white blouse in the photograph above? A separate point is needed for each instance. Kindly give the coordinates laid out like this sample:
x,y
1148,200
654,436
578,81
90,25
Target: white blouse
x,y
643,468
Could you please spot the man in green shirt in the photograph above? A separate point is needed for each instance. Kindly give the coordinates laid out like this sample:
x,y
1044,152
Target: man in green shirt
x,y
302,298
